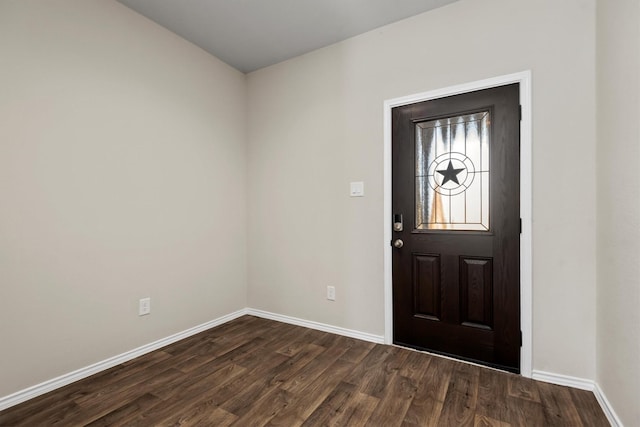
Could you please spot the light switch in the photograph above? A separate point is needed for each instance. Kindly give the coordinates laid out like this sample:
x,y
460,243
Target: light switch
x,y
357,189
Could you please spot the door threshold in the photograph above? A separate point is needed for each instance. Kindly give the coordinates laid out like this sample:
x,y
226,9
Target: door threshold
x,y
455,358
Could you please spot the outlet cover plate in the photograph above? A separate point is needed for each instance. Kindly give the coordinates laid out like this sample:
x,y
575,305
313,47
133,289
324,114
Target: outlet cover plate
x,y
331,293
144,307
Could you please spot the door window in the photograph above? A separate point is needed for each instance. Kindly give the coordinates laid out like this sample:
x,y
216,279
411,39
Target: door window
x,y
452,173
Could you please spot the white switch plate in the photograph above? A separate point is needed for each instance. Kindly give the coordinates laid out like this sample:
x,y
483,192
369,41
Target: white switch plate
x,y
356,189
144,306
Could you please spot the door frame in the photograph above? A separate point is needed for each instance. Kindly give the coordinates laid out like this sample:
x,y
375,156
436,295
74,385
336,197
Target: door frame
x,y
526,202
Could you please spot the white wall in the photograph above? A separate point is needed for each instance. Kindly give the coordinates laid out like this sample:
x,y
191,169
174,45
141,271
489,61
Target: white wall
x,y
618,329
316,123
122,175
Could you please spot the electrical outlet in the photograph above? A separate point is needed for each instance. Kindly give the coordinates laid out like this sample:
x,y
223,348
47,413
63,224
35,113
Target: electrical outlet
x,y
144,307
331,293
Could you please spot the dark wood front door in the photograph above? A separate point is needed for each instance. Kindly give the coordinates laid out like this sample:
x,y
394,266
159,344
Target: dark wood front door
x,y
456,198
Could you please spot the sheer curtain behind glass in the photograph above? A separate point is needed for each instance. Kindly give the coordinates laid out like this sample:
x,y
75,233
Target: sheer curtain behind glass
x,y
452,173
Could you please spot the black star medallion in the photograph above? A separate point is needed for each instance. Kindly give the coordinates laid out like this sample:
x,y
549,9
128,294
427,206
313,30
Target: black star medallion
x,y
450,174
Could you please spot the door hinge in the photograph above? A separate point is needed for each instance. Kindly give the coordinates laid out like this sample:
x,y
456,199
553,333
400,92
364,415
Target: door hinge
x,y
520,111
520,225
520,338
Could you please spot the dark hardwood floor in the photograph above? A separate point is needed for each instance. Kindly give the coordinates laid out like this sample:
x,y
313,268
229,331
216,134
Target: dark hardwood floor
x,y
254,372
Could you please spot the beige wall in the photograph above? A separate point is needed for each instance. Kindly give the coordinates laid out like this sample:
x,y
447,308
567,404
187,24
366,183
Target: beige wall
x,y
316,123
123,165
618,331
122,175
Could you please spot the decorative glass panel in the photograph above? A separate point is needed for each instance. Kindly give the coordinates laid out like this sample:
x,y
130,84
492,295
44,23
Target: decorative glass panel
x,y
452,173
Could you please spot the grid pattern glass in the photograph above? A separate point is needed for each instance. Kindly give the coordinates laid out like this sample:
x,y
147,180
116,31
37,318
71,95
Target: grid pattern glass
x,y
452,173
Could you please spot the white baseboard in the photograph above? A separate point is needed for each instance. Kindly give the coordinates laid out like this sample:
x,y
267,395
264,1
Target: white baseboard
x,y
566,380
378,339
63,380
606,407
582,384
66,379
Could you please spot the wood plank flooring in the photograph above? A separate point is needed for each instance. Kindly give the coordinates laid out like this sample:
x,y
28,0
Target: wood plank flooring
x,y
255,372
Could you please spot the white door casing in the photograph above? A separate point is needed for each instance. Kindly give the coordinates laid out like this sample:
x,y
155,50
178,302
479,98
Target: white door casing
x,y
526,198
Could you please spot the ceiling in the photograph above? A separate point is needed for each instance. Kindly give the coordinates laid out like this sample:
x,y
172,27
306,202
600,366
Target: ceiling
x,y
252,34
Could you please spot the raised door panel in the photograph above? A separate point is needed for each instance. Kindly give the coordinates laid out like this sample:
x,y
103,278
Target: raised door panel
x,y
426,286
476,292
